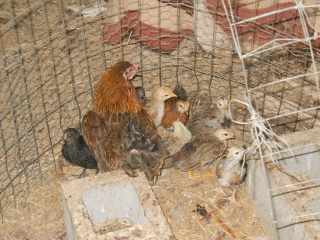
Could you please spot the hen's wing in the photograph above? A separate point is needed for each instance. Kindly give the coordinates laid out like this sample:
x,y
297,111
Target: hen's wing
x,y
105,137
201,151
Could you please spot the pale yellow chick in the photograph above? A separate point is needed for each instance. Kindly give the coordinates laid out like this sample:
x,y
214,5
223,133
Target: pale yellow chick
x,y
181,132
155,105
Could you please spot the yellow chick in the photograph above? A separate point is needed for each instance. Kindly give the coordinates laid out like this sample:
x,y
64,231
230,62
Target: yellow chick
x,y
155,105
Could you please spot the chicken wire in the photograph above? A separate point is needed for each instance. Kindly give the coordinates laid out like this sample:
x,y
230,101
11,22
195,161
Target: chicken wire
x,y
307,21
53,52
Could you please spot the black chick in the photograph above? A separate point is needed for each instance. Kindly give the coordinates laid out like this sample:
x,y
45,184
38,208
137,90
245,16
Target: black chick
x,y
141,95
76,151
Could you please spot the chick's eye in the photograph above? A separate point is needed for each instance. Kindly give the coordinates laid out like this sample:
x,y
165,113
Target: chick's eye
x,y
226,134
237,152
166,95
71,135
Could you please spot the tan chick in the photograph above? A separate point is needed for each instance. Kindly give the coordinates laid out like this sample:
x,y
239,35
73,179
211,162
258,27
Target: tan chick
x,y
200,151
155,105
231,171
210,118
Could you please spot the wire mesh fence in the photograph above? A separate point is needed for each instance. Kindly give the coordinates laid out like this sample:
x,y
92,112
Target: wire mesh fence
x,y
53,52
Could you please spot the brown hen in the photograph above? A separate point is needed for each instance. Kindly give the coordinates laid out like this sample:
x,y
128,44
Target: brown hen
x,y
117,125
176,108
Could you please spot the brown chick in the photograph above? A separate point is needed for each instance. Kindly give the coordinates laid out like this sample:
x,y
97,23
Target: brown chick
x,y
200,151
114,117
155,105
176,108
210,118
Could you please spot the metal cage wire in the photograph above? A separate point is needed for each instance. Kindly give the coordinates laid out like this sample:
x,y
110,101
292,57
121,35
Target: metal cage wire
x,y
53,52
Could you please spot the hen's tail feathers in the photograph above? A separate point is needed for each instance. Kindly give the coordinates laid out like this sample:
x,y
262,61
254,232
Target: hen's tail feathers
x,y
152,173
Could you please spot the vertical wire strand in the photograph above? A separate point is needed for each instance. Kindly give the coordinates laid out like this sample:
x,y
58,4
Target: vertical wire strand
x,y
140,48
159,50
54,66
178,39
103,48
40,78
69,58
10,184
85,37
12,107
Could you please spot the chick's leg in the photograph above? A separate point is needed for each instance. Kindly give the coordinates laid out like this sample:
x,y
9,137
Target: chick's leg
x,y
83,174
219,191
233,199
195,178
192,176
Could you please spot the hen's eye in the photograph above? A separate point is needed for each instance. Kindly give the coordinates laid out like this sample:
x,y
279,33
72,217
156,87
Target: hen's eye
x,y
166,95
237,152
71,135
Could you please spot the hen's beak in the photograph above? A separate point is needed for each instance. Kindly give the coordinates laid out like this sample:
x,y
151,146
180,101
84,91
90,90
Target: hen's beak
x,y
225,108
136,66
65,137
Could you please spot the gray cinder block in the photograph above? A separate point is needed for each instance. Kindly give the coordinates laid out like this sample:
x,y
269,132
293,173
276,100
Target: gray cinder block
x,y
113,206
287,202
